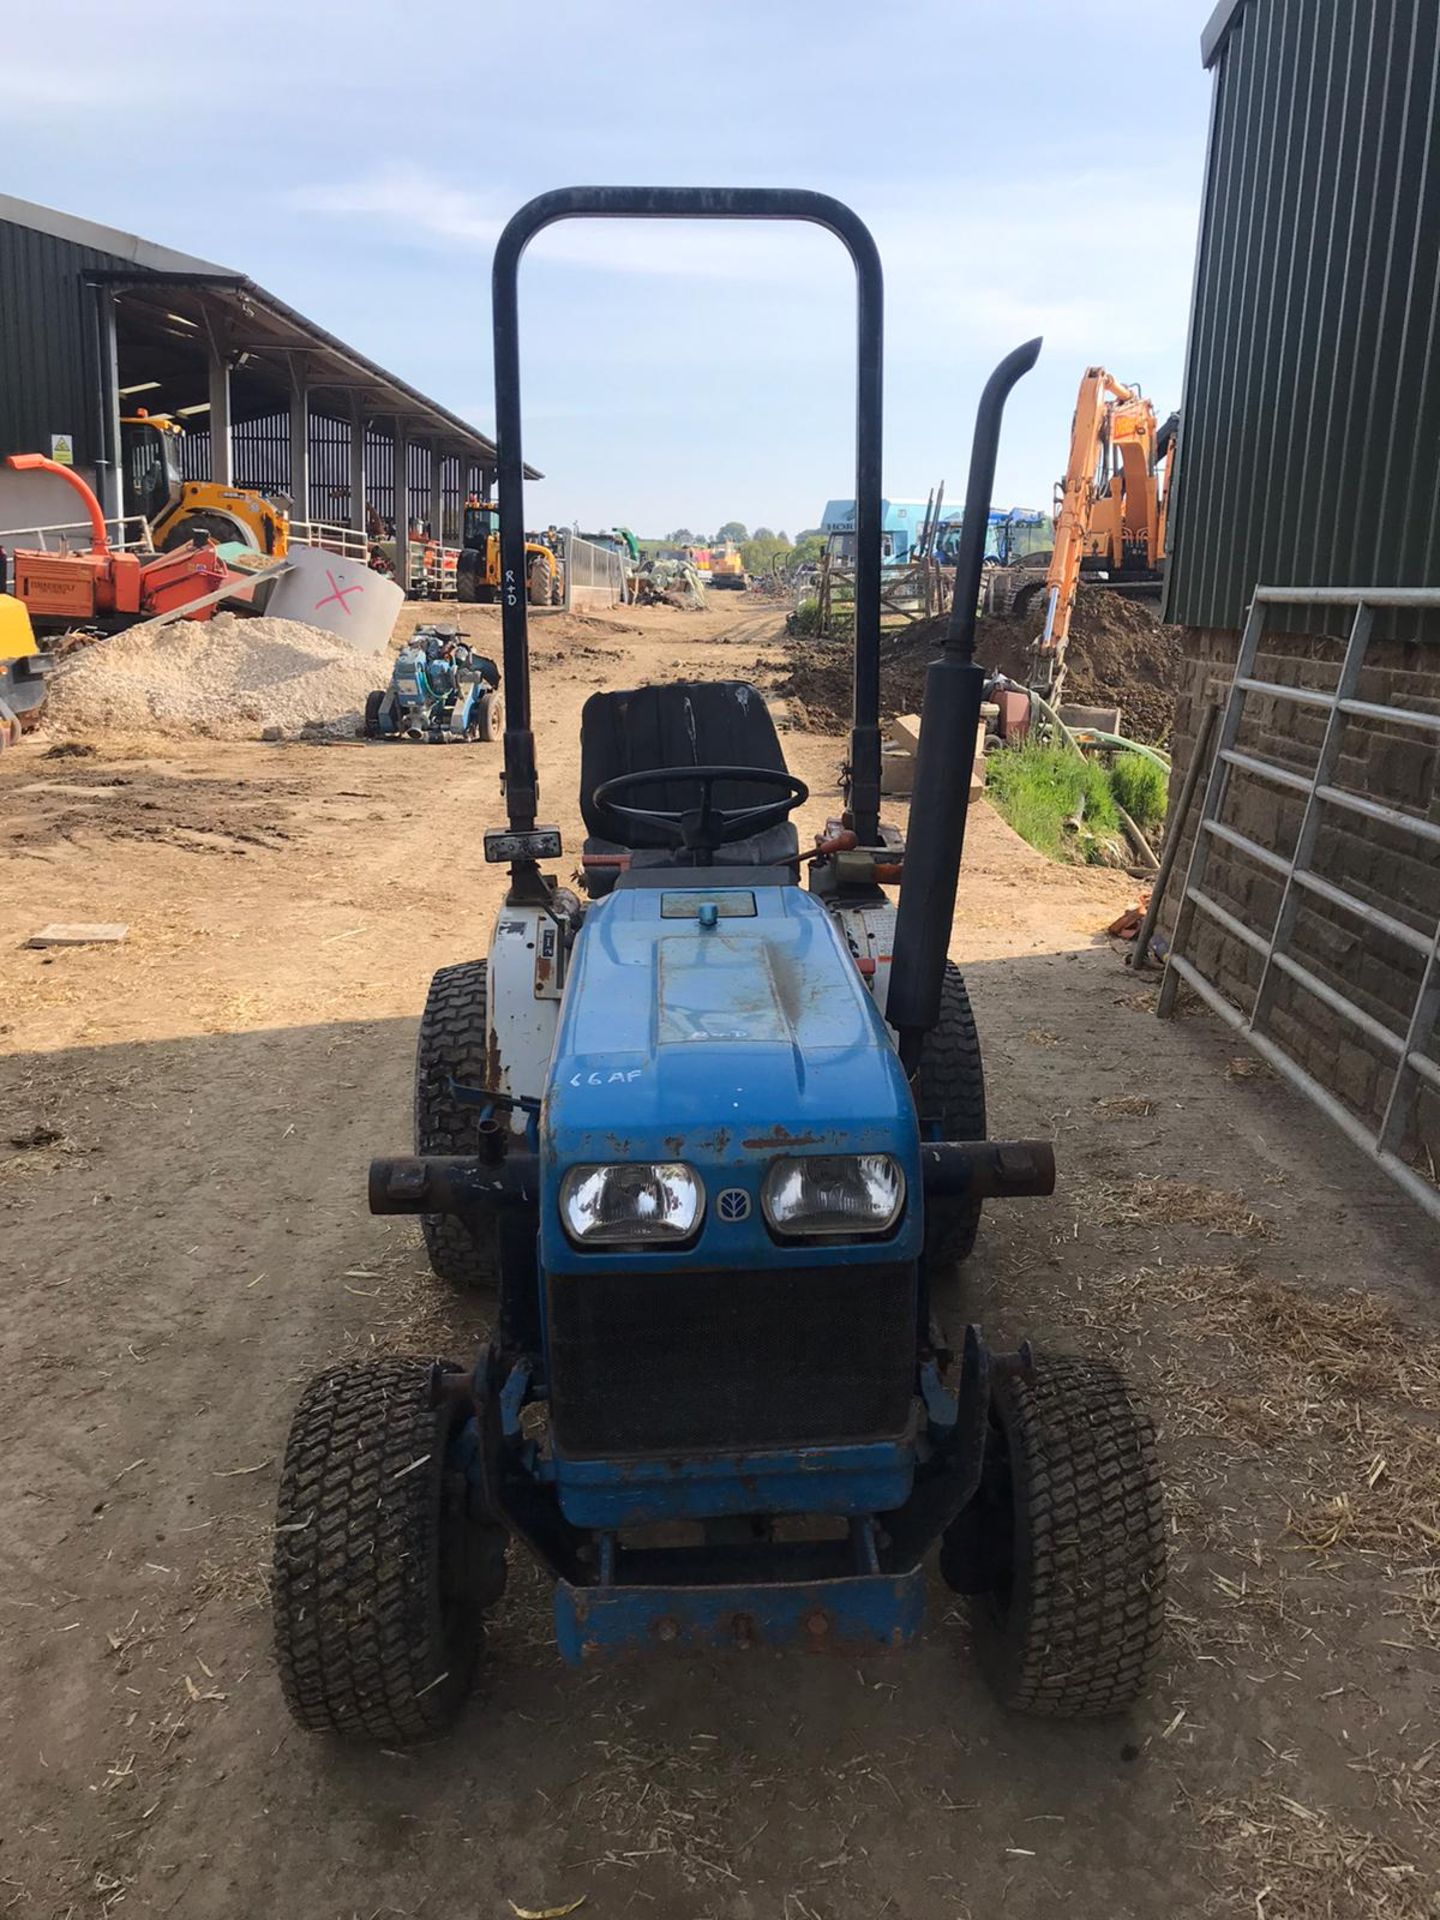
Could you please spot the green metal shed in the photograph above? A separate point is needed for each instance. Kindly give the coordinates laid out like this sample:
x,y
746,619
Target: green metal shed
x,y
1310,436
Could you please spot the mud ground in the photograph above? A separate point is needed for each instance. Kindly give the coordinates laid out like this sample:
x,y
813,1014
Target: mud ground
x,y
183,1241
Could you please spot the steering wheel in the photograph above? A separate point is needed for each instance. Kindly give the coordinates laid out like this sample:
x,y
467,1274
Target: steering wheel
x,y
704,829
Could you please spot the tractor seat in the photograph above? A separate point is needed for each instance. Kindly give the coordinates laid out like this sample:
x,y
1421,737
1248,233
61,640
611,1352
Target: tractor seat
x,y
693,723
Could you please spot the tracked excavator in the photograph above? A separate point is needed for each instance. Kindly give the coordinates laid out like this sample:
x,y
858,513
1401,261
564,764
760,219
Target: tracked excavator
x,y
1111,511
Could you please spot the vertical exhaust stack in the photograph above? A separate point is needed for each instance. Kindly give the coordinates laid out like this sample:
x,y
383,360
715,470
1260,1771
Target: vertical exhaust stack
x,y
950,715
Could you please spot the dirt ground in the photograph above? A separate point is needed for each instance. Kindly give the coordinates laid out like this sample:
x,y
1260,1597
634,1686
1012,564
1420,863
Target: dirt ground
x,y
1118,656
187,1120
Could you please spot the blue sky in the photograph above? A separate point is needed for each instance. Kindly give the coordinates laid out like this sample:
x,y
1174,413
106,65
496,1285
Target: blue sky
x,y
1027,167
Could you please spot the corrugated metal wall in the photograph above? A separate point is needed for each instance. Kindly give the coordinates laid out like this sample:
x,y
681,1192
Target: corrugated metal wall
x,y
260,451
48,376
1310,448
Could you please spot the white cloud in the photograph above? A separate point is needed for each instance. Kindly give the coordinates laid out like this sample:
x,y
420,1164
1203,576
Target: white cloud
x,y
960,274
420,207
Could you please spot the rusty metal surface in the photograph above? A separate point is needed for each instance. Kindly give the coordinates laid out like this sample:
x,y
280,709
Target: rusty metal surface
x,y
857,1614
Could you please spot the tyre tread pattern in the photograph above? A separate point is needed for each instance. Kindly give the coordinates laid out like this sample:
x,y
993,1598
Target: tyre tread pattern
x,y
952,1103
452,1046
540,580
358,1628
1087,1615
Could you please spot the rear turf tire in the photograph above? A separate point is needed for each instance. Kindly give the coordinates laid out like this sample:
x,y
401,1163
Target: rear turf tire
x,y
452,1047
382,1570
373,703
1062,1551
950,1097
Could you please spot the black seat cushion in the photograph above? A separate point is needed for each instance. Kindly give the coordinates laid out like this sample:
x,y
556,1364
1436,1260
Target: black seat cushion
x,y
691,723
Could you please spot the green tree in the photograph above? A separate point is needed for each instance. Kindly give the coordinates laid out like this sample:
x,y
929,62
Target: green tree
x,y
765,553
807,550
762,533
733,530
682,537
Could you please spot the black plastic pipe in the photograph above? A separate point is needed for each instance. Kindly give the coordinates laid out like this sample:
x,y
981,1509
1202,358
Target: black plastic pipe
x,y
950,715
453,1183
691,203
988,1169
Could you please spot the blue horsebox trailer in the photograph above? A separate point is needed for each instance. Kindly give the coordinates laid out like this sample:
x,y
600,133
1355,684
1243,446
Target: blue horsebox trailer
x,y
900,525
1010,531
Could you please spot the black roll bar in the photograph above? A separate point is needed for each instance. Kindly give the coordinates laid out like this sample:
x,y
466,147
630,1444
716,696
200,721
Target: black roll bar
x,y
691,203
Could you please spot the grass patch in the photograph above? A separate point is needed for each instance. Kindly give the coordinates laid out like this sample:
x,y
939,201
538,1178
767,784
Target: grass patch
x,y
1039,789
1140,787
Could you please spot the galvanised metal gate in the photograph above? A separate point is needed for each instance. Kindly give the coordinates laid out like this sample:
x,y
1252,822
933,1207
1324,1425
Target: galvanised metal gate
x,y
594,575
1299,882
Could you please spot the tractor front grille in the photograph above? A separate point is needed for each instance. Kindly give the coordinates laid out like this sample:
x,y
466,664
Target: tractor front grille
x,y
685,1362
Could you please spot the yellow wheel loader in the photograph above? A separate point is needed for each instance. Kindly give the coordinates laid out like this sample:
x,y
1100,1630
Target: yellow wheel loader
x,y
177,508
477,573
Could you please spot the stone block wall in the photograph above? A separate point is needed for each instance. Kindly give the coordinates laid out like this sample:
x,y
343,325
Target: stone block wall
x,y
1388,868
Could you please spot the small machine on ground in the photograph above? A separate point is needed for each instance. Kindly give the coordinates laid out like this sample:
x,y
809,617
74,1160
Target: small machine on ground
x,y
477,572
103,586
714,1144
440,690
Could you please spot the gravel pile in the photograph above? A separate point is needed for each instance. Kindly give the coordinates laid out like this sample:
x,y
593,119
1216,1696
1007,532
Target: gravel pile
x,y
228,678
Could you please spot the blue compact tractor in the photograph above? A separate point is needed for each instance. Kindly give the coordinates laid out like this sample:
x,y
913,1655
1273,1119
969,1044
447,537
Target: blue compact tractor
x,y
713,1142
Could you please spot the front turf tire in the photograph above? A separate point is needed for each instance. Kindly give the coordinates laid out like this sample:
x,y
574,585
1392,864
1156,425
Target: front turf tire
x,y
381,1569
452,1046
1062,1551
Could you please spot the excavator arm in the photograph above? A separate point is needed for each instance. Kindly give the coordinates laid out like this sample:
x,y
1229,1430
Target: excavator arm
x,y
1108,507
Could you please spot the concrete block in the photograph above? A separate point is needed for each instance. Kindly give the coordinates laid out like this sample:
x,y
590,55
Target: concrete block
x,y
1356,1076
79,933
897,771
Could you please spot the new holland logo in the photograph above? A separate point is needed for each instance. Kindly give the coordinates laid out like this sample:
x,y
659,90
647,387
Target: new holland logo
x,y
733,1204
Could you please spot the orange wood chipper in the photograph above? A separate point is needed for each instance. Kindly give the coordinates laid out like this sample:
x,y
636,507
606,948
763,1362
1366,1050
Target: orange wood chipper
x,y
103,587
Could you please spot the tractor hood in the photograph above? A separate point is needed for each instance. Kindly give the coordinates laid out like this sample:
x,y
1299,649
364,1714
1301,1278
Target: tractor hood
x,y
726,1027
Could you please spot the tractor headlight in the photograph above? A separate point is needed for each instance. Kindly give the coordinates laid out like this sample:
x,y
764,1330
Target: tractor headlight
x,y
634,1204
837,1194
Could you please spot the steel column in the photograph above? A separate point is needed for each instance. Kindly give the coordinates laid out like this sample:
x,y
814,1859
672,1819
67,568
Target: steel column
x,y
358,503
222,457
402,509
437,494
299,445
109,461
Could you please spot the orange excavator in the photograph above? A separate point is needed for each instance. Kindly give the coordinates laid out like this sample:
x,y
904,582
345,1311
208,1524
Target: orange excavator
x,y
1111,510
